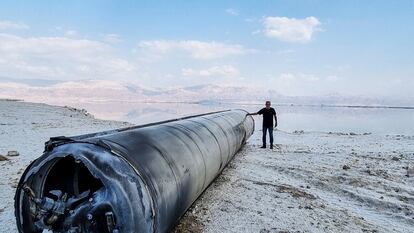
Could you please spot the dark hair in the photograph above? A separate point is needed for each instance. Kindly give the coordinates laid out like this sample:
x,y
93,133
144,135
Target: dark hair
x,y
267,102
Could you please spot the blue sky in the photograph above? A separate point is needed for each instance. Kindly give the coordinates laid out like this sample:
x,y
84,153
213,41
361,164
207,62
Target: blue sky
x,y
295,47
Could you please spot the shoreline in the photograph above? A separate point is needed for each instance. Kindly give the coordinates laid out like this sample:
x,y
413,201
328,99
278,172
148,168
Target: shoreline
x,y
202,102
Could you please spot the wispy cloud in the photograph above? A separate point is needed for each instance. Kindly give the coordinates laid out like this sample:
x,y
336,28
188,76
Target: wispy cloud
x,y
291,29
196,49
286,51
112,38
218,71
61,58
71,33
232,11
6,25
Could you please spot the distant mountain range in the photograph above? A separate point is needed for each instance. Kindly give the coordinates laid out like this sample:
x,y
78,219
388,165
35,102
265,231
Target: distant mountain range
x,y
60,92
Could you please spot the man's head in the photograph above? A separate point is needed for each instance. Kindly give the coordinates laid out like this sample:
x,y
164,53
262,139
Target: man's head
x,y
268,104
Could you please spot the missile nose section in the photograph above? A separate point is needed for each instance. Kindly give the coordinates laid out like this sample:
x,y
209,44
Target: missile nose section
x,y
136,179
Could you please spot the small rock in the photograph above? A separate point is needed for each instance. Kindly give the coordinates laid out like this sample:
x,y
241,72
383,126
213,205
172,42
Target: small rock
x,y
410,171
352,134
298,132
346,167
403,199
12,153
3,158
395,158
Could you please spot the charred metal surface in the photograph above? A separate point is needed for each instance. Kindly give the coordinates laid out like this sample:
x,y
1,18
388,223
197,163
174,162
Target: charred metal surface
x,y
136,179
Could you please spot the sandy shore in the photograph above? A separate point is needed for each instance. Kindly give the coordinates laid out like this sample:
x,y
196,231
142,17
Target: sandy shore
x,y
310,182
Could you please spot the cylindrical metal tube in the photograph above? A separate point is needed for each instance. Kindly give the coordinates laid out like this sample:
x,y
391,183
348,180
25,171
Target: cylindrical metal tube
x,y
138,179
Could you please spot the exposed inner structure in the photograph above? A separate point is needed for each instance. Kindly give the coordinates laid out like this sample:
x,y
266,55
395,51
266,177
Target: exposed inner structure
x,y
71,176
69,195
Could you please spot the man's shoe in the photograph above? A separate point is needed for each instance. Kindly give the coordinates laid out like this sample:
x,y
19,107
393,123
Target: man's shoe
x,y
271,146
263,147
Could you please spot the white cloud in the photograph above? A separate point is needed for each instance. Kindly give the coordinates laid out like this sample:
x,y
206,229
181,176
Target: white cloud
x,y
71,33
332,78
256,32
61,58
291,29
286,51
232,11
300,77
214,71
112,38
196,49
5,25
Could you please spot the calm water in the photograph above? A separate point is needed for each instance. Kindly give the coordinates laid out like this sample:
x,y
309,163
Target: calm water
x,y
307,118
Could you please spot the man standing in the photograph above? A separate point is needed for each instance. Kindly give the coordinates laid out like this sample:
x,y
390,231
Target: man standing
x,y
268,114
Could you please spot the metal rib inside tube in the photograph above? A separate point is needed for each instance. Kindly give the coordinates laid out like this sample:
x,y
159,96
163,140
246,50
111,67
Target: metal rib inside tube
x,y
137,179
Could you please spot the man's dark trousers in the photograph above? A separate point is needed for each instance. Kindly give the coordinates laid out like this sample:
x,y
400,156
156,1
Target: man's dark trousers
x,y
265,129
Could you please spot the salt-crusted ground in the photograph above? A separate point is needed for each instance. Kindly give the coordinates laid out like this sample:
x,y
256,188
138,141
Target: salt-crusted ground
x,y
310,182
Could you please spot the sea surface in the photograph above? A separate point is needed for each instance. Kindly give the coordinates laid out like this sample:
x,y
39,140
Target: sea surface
x,y
392,121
